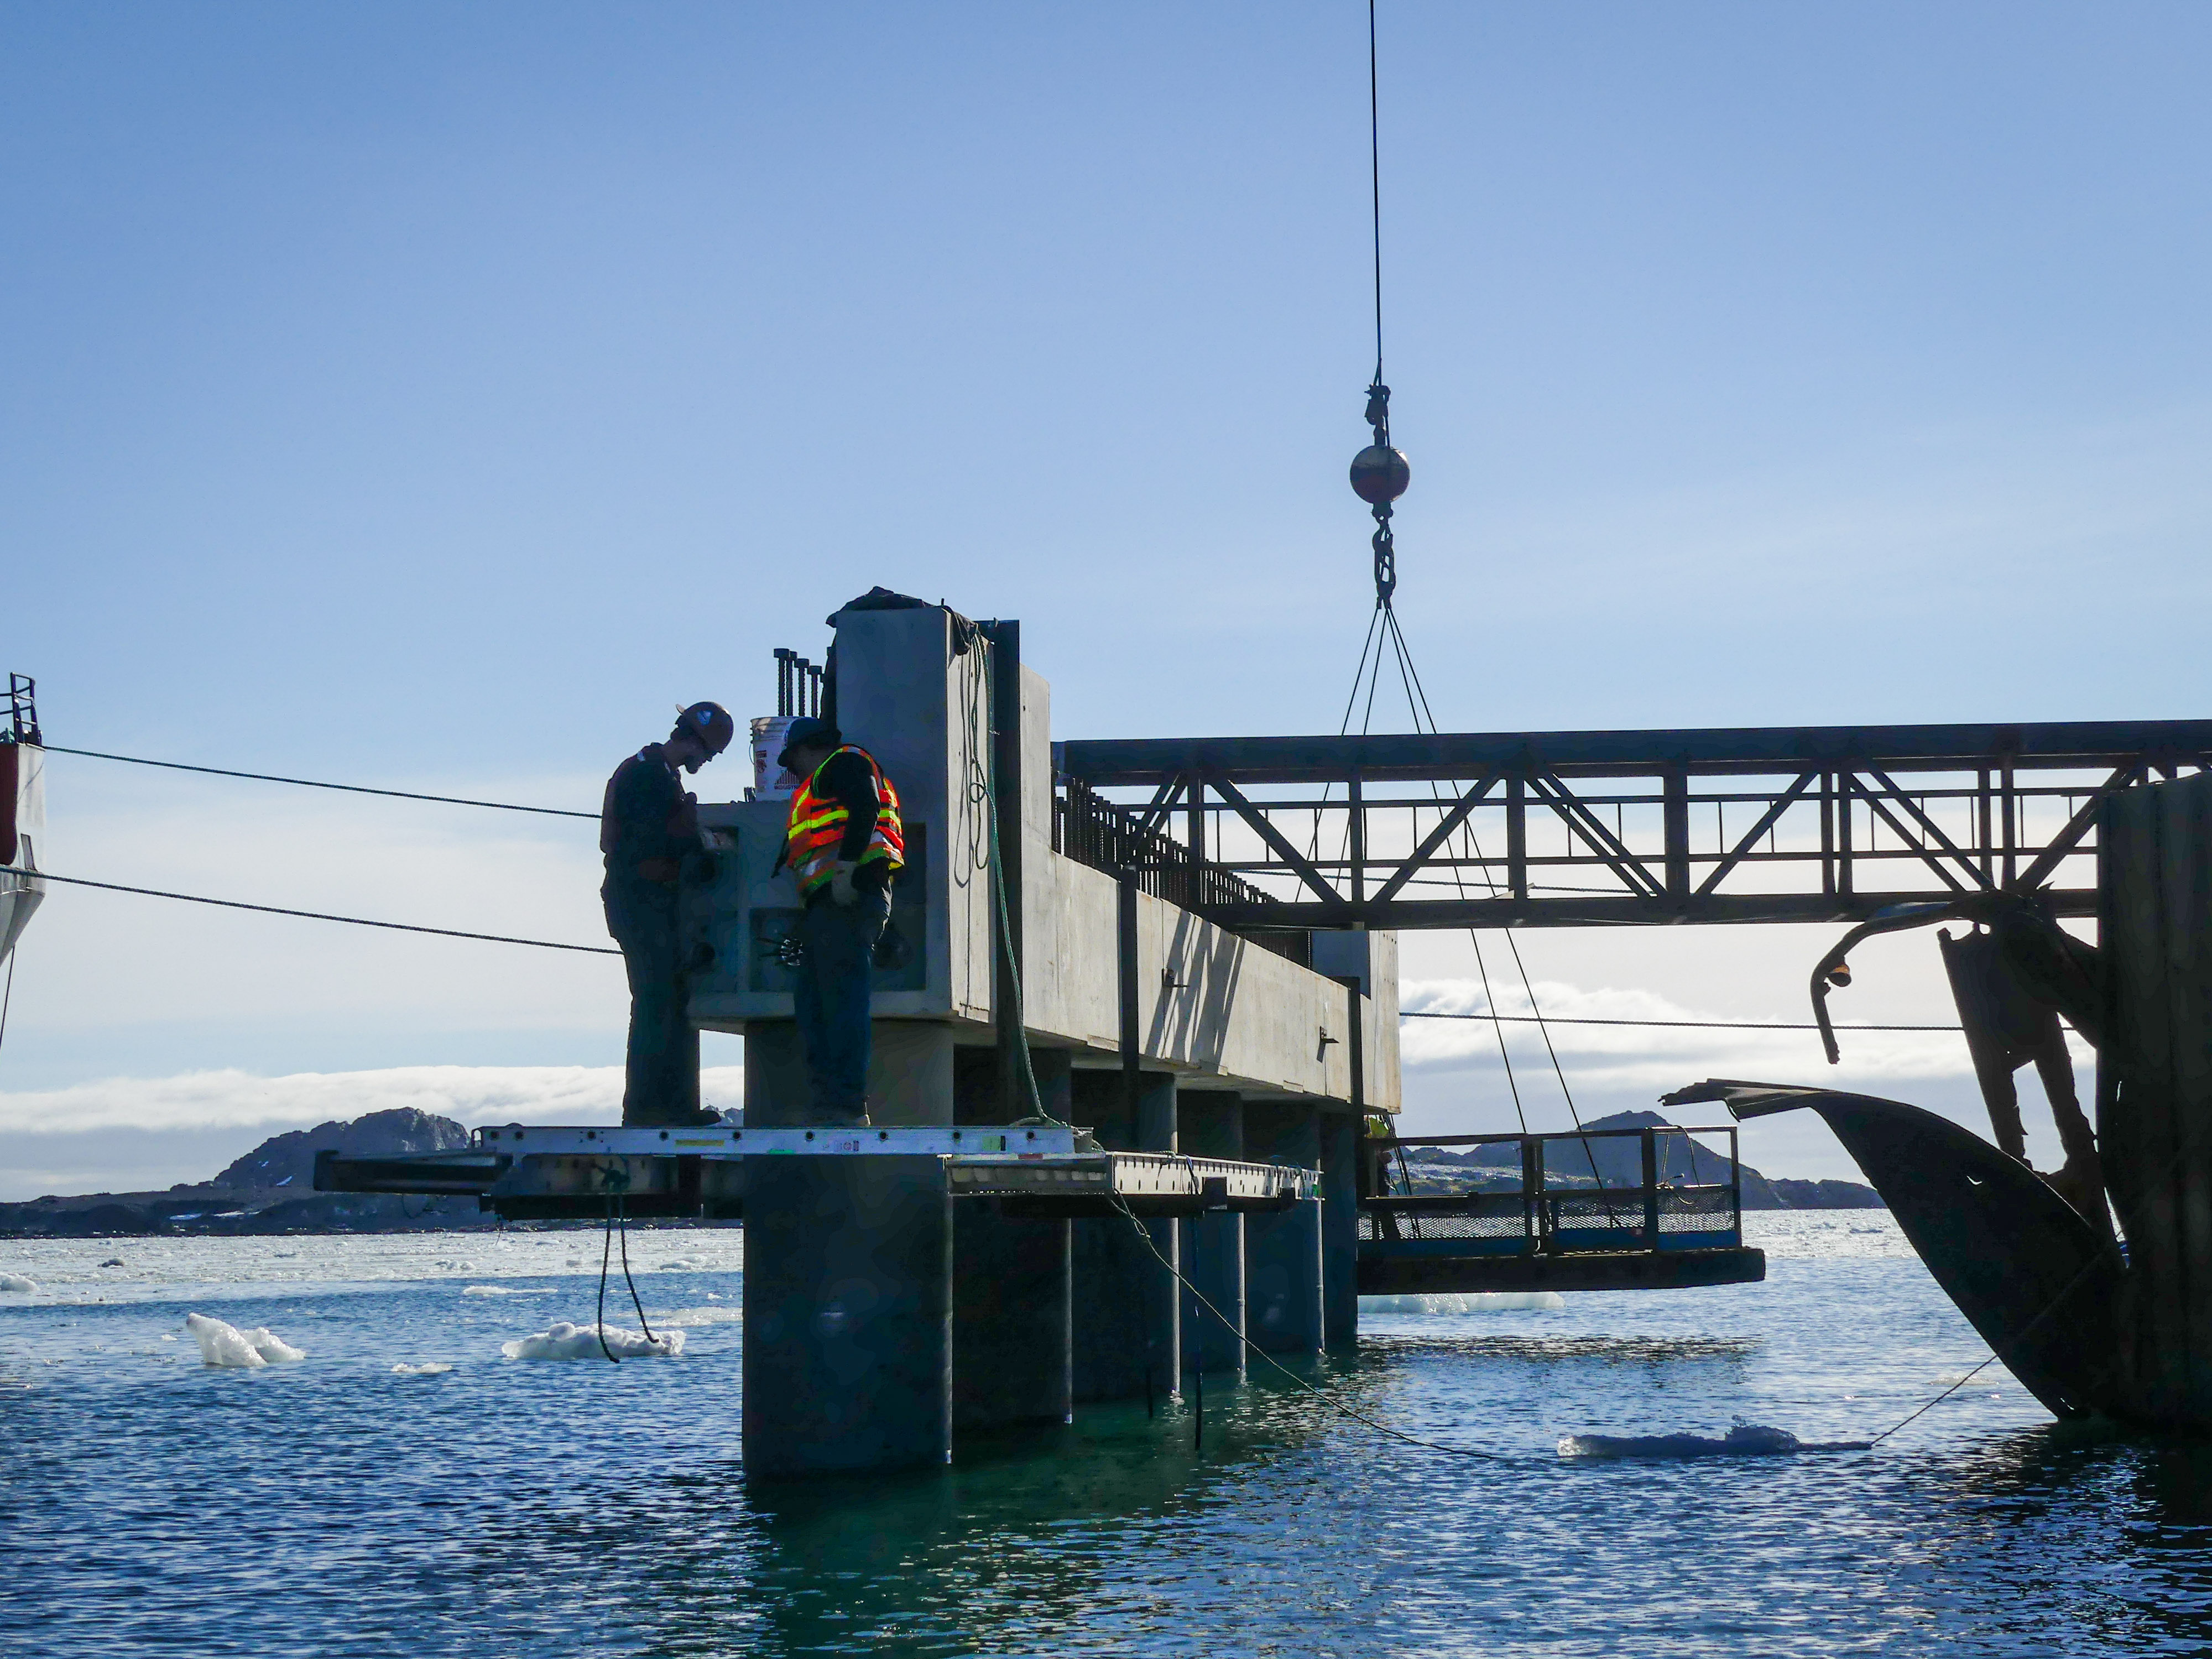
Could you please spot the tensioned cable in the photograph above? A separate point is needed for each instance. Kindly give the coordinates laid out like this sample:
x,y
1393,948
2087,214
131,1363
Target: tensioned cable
x,y
312,915
1236,1331
1996,1354
1684,1024
309,783
1375,168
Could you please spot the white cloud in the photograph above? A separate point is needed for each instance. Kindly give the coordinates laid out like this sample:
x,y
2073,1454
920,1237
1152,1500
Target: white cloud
x,y
233,1099
1652,1060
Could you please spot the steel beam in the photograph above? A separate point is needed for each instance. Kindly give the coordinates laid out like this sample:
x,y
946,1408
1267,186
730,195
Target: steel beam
x,y
2085,744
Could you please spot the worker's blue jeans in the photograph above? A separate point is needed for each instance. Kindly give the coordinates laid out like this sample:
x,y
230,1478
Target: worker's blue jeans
x,y
661,1082
831,999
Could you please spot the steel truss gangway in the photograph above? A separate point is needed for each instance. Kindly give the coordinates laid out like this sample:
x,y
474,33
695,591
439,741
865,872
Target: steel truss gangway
x,y
1571,829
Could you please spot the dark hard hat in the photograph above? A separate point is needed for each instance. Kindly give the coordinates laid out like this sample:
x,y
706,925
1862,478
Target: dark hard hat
x,y
1380,475
710,723
808,733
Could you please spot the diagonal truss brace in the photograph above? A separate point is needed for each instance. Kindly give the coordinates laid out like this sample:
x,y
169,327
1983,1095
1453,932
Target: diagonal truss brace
x,y
1299,863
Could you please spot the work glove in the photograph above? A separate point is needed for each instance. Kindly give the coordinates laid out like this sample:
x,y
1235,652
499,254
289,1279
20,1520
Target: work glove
x,y
841,881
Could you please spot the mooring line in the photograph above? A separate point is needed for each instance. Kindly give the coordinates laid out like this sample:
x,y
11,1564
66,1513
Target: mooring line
x,y
311,783
310,915
1230,1326
1996,1352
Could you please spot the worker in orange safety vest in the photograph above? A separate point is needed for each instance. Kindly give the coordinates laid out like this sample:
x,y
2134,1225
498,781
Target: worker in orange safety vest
x,y
844,841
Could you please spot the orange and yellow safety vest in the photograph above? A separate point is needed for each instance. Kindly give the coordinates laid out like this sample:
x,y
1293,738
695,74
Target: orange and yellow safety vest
x,y
816,834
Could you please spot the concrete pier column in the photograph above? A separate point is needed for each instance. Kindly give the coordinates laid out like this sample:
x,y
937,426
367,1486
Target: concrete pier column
x,y
1113,1271
1211,1125
1340,1226
1284,1279
1164,1333
1012,1311
848,1324
847,1357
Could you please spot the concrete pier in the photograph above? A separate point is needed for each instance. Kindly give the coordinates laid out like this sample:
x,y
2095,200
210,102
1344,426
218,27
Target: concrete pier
x,y
1211,1124
1339,1227
1284,1278
1012,1279
1115,1275
883,1316
849,1316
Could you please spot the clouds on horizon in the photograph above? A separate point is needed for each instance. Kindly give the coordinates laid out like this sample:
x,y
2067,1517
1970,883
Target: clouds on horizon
x,y
1619,1058
231,1099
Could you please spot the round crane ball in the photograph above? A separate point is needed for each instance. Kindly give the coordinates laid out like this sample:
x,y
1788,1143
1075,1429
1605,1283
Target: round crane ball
x,y
1380,475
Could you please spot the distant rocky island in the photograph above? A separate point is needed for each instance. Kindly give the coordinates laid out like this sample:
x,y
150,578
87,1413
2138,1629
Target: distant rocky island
x,y
271,1188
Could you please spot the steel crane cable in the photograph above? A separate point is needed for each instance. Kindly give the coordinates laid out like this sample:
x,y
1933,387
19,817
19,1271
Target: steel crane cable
x,y
1379,476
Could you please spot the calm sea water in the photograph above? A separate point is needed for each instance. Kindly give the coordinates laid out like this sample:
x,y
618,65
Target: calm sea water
x,y
149,1503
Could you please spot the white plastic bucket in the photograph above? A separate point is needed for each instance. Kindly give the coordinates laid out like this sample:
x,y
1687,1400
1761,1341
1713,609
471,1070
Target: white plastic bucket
x,y
770,781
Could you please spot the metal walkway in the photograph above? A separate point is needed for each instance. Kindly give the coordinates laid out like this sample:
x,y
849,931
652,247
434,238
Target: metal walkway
x,y
1566,829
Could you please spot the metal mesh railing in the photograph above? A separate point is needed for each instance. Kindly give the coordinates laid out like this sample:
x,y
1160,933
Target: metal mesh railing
x,y
1482,1215
1555,1209
1699,1210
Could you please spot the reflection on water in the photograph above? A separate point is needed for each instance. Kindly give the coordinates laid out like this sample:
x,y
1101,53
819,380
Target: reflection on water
x,y
330,1507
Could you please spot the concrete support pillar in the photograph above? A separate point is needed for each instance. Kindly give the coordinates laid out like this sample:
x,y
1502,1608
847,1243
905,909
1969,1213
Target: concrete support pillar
x,y
1113,1271
1012,1318
1211,1125
1156,1133
1055,1080
1340,1226
847,1358
1283,1277
910,1073
1013,1310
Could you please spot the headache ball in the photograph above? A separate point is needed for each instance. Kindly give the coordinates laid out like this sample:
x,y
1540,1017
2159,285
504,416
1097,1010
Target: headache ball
x,y
1380,474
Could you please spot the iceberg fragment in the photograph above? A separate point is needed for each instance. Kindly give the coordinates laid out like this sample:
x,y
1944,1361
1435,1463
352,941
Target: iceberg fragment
x,y
223,1344
1465,1302
1744,1440
563,1341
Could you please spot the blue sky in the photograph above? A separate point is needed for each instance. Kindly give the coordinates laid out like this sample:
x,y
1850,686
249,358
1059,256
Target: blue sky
x,y
433,396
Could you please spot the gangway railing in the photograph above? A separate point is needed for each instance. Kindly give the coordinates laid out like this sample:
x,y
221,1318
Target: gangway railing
x,y
1652,1189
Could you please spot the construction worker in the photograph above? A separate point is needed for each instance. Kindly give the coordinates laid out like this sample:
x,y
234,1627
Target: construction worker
x,y
844,843
649,832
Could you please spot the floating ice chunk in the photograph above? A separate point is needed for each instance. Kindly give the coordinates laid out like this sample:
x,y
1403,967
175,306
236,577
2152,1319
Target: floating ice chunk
x,y
1465,1302
565,1341
1744,1440
427,1367
228,1345
16,1285
503,1290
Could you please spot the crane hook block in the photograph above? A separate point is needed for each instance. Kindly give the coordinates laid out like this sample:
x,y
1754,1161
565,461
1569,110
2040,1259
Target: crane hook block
x,y
1380,474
